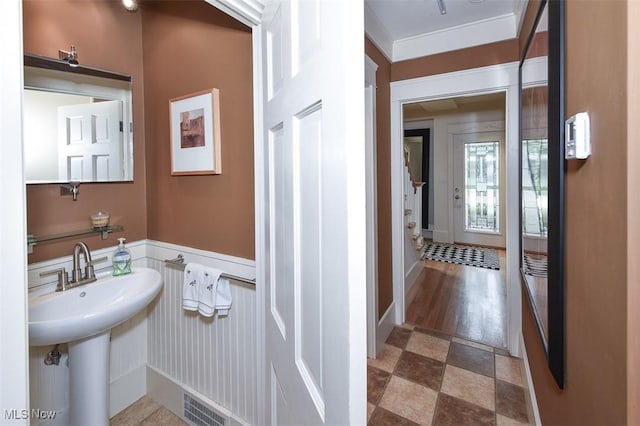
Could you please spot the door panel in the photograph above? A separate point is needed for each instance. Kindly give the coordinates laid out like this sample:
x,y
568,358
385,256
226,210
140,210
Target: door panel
x,y
311,308
90,142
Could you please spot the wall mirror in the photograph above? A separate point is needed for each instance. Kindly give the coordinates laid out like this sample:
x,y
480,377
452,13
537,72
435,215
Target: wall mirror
x,y
542,179
77,123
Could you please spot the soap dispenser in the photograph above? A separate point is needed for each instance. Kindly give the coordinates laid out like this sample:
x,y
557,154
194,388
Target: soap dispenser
x,y
121,259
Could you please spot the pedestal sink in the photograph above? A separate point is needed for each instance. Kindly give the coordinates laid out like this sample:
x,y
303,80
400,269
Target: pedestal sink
x,y
83,317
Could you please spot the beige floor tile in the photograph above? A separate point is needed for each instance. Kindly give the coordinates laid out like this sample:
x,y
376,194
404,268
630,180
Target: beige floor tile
x,y
506,421
163,417
370,408
508,369
409,400
387,358
135,413
469,386
473,344
429,346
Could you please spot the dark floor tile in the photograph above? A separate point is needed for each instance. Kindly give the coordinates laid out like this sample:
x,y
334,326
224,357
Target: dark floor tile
x,y
510,401
399,337
419,369
470,358
434,333
376,383
454,411
382,417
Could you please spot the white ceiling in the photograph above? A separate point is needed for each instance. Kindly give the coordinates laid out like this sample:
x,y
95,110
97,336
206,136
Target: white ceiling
x,y
405,29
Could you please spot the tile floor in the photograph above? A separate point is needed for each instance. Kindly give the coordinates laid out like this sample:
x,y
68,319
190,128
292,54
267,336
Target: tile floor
x,y
145,412
426,377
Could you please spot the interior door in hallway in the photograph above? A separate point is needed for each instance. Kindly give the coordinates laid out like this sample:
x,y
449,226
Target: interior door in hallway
x,y
478,189
315,232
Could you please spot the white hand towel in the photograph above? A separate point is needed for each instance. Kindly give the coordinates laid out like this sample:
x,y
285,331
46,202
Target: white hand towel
x,y
190,286
207,291
223,298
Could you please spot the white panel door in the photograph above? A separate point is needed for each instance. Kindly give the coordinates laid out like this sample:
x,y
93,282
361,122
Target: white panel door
x,y
315,242
478,189
90,142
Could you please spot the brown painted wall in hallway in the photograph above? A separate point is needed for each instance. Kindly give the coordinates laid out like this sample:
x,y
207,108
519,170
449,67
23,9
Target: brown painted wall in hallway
x,y
190,47
596,229
106,36
383,164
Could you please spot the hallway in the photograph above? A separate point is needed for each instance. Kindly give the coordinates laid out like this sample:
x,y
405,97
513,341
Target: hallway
x,y
463,301
430,378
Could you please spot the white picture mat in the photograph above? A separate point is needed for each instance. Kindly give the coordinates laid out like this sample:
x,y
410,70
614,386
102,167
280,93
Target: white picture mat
x,y
199,158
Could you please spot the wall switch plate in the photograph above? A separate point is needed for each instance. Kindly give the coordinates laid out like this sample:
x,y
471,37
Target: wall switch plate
x,y
577,138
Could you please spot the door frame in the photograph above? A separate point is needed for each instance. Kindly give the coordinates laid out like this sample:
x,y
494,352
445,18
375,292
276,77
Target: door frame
x,y
476,81
370,68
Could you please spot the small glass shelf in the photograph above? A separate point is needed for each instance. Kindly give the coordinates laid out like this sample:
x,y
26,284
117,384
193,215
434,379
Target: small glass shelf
x,y
104,232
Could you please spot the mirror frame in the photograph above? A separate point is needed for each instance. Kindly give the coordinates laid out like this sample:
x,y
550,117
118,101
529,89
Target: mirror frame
x,y
554,341
89,81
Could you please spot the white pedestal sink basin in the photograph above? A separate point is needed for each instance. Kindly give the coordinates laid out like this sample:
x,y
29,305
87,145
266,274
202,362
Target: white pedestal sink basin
x,y
83,317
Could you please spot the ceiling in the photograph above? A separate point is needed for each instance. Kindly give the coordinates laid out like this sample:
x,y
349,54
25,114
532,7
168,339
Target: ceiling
x,y
405,29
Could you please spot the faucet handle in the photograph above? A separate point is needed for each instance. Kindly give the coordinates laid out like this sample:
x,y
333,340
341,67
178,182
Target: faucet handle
x,y
63,277
89,272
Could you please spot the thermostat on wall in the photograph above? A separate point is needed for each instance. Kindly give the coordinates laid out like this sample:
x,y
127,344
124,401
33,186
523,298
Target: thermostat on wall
x,y
577,138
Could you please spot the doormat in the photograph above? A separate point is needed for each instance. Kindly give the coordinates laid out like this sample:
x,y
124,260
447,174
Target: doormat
x,y
463,255
535,265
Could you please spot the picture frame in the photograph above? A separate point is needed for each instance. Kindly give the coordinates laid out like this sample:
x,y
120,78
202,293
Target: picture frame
x,y
195,133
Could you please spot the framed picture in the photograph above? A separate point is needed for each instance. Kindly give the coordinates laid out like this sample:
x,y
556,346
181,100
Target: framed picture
x,y
195,134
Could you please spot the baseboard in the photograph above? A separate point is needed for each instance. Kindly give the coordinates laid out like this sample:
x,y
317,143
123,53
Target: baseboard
x,y
530,393
127,389
410,280
169,393
385,326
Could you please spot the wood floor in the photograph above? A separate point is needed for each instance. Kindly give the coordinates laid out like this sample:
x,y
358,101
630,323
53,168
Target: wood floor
x,y
461,300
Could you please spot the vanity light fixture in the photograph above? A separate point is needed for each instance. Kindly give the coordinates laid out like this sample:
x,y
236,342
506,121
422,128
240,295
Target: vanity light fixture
x,y
70,56
130,5
442,7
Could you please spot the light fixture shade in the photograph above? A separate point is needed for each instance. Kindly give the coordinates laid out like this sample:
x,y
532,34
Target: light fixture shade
x,y
130,5
442,7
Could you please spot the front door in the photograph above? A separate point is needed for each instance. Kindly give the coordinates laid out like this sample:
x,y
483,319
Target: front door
x,y
315,235
478,189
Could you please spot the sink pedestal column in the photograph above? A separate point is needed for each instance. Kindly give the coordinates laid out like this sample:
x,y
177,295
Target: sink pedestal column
x,y
89,380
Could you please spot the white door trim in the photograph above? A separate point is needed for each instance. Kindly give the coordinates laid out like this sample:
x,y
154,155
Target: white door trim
x,y
491,79
14,362
372,206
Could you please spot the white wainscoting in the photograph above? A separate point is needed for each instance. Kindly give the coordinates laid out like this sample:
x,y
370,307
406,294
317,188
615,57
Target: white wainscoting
x,y
215,357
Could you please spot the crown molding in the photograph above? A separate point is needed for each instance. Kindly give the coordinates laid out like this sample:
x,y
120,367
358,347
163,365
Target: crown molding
x,y
377,33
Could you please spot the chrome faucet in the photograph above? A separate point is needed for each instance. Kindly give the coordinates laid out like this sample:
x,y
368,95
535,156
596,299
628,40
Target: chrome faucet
x,y
76,275
77,278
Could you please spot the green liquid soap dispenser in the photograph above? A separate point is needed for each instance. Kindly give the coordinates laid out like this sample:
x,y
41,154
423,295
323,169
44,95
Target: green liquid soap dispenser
x,y
121,259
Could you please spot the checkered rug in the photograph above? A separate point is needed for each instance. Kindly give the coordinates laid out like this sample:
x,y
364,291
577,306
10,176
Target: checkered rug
x,y
535,265
464,255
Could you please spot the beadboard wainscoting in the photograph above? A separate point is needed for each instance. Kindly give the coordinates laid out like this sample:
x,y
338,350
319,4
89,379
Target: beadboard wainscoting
x,y
212,359
215,357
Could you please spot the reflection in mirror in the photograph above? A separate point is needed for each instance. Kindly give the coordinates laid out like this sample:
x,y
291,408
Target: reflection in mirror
x,y
74,123
534,101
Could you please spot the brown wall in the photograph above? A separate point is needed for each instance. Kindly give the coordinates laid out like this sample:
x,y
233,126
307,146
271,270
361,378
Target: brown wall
x,y
106,36
596,229
473,57
633,215
383,164
190,47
